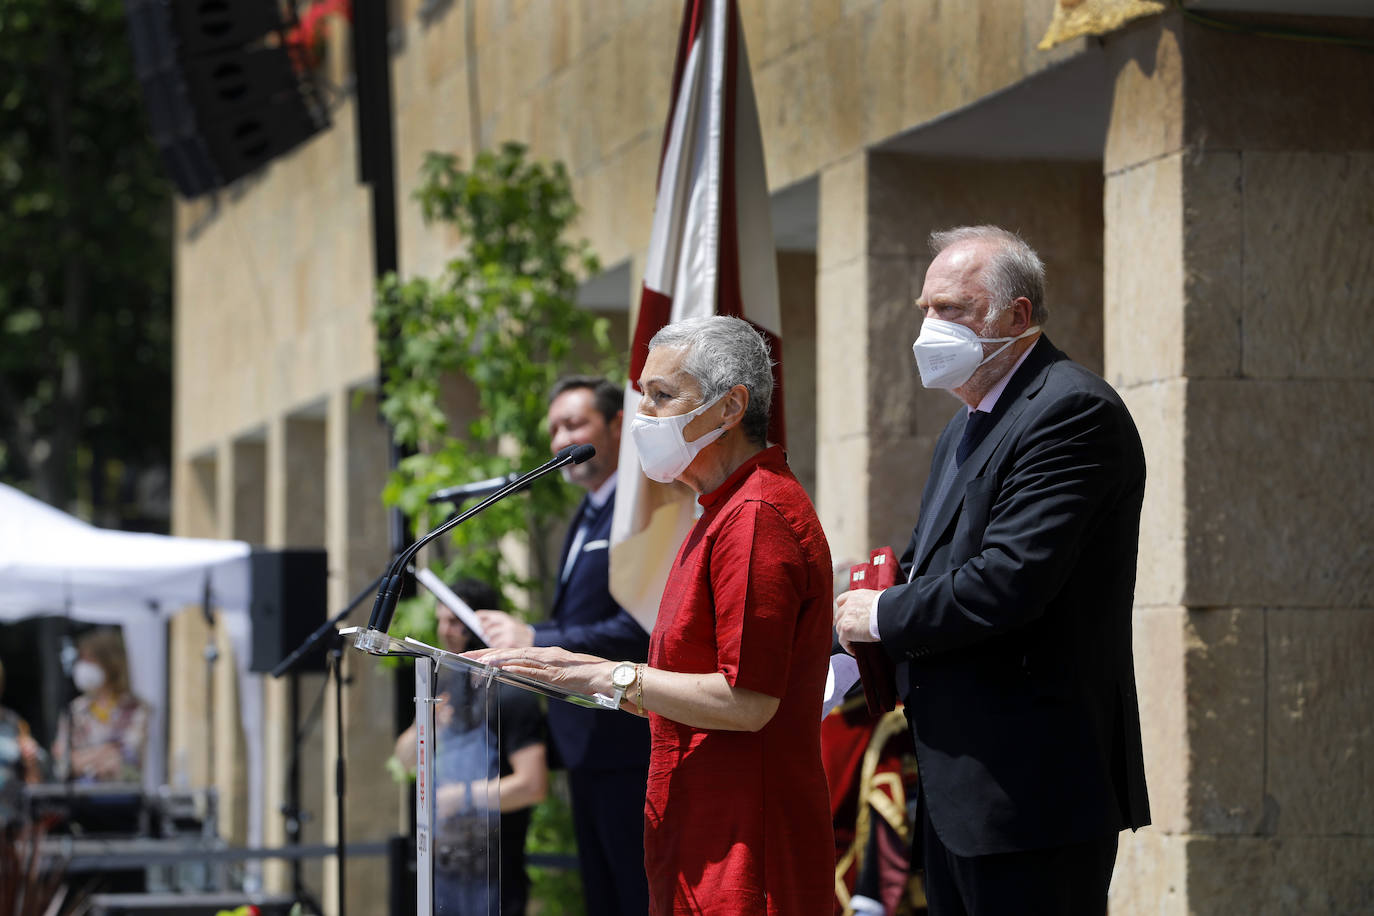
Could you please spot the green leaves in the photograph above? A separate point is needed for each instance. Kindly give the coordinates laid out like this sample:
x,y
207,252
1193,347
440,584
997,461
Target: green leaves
x,y
502,316
85,259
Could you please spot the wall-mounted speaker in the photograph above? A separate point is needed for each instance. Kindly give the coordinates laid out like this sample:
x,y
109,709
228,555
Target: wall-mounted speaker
x,y
289,602
223,91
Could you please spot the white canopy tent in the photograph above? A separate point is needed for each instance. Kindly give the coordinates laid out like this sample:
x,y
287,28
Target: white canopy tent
x,y
52,564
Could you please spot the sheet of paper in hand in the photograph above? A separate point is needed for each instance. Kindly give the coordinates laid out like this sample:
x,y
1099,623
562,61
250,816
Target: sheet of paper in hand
x,y
448,599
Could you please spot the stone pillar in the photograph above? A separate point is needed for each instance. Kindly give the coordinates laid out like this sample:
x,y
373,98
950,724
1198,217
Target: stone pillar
x,y
1239,202
356,537
275,728
295,518
195,514
842,379
797,296
241,482
878,426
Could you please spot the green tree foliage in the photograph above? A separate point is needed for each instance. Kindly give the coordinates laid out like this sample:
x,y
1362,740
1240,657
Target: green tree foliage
x,y
503,316
85,259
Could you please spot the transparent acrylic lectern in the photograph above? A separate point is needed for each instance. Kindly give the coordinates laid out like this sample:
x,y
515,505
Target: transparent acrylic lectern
x,y
457,771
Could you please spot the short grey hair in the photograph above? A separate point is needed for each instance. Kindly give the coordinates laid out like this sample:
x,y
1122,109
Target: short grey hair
x,y
720,353
1013,269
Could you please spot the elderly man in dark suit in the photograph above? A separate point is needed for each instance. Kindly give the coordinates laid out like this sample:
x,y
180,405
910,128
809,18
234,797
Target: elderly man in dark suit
x,y
606,755
1012,632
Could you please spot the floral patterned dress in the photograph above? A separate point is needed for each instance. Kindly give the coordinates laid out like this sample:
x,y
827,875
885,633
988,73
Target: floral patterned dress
x,y
107,738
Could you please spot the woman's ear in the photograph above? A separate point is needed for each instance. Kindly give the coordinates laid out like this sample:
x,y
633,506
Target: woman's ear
x,y
736,401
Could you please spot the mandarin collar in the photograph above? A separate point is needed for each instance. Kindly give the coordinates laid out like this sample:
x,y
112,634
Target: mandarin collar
x,y
772,457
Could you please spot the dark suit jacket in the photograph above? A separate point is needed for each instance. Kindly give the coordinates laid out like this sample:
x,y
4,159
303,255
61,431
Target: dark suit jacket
x,y
1013,640
585,618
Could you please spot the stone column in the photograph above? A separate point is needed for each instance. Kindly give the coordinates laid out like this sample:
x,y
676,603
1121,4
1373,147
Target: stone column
x,y
797,297
241,481
275,728
356,537
842,379
1239,204
878,426
295,518
195,514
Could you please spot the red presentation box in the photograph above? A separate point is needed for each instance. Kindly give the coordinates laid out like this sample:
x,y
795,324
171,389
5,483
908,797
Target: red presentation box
x,y
875,668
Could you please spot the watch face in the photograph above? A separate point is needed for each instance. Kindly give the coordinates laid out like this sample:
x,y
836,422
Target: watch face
x,y
623,675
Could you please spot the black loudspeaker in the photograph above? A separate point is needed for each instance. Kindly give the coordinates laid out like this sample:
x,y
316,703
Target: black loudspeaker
x,y
223,91
289,603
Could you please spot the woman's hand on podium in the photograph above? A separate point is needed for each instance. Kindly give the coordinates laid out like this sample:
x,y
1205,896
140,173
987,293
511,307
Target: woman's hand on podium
x,y
572,671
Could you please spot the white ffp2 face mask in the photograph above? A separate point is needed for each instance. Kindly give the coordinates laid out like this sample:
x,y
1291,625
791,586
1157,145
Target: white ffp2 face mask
x,y
947,354
663,452
88,676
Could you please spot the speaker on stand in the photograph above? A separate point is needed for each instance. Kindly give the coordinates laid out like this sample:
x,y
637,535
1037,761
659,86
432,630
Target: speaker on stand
x,y
224,91
289,601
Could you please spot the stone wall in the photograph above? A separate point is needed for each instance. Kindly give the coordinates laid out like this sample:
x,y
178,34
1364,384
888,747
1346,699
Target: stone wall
x,y
1239,206
273,279
1213,264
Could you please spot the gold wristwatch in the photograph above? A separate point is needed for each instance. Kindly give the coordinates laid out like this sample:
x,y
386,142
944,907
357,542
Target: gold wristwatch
x,y
622,678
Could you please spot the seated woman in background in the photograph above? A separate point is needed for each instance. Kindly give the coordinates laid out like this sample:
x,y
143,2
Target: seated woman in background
x,y
105,730
468,748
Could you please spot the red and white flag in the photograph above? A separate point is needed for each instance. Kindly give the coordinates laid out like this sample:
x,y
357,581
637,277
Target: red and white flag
x,y
711,252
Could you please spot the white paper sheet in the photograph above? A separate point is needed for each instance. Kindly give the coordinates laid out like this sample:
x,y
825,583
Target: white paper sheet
x,y
448,599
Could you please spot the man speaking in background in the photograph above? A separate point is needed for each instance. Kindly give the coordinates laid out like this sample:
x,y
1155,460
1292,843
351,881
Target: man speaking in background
x,y
606,754
1012,632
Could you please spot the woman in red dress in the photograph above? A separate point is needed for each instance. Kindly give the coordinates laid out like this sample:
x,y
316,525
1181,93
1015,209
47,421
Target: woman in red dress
x,y
737,817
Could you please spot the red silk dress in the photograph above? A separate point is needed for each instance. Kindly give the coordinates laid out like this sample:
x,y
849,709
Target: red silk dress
x,y
738,823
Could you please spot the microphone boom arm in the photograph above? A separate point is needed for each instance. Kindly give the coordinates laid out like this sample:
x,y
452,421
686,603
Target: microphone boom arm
x,y
385,604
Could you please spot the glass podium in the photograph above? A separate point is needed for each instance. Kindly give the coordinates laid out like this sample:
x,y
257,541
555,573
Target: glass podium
x,y
457,771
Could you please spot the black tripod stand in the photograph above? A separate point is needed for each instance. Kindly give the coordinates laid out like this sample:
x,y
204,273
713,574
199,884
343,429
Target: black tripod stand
x,y
326,637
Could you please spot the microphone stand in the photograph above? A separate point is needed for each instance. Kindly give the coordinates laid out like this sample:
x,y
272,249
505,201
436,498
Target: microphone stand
x,y
333,668
373,639
211,655
336,667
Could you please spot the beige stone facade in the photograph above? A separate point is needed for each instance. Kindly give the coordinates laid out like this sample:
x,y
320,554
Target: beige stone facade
x,y
1204,201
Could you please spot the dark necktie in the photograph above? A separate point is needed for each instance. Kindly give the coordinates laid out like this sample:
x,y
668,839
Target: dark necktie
x,y
975,428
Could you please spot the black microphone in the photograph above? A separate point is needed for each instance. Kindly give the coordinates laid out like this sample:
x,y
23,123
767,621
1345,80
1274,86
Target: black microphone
x,y
474,490
385,604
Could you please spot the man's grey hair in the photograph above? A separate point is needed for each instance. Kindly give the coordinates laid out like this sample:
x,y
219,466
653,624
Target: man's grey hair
x,y
720,353
1013,269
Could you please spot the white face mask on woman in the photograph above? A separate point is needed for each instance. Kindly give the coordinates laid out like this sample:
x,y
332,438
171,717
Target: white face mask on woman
x,y
663,452
88,676
947,354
